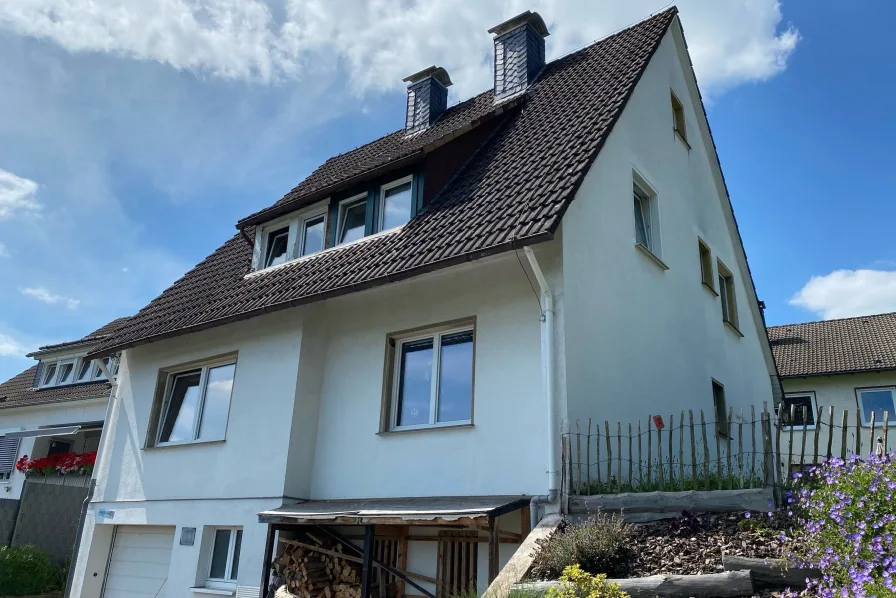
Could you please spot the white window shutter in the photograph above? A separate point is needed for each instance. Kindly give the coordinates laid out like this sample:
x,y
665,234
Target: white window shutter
x,y
9,452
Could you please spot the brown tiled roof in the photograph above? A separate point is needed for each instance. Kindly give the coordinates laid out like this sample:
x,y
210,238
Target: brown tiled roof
x,y
513,192
19,392
91,338
866,343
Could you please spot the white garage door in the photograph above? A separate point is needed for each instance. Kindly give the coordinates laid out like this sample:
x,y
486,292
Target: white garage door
x,y
138,565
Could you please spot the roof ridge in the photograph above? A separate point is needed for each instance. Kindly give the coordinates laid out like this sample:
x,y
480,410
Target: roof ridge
x,y
831,320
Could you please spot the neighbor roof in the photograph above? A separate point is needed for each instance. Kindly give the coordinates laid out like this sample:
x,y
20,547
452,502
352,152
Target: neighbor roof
x,y
512,192
862,344
19,391
92,338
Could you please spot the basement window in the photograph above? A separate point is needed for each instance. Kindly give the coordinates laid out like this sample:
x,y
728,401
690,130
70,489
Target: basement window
x,y
431,382
224,562
196,404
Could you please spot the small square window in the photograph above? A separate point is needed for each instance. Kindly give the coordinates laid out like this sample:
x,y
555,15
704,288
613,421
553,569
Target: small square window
x,y
224,563
721,409
798,410
352,220
705,264
727,295
395,205
876,401
678,121
276,247
196,404
432,379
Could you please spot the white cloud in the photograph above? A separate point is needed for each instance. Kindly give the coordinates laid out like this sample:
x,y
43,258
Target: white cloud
x,y
4,252
9,347
847,293
16,195
45,296
379,42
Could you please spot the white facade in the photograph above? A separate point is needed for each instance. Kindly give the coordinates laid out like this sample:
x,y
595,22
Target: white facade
x,y
631,339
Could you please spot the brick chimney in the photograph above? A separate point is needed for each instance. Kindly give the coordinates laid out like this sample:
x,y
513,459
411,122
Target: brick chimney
x,y
427,97
519,53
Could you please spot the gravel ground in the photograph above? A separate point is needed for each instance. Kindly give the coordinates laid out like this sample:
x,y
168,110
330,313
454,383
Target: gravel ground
x,y
698,547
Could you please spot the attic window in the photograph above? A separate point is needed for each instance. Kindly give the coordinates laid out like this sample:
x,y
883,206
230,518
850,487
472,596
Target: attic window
x,y
277,244
352,219
396,204
290,237
678,121
74,371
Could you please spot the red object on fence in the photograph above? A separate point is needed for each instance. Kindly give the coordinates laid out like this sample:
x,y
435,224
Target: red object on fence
x,y
658,422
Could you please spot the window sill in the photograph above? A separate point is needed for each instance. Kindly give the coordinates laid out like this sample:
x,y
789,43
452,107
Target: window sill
x,y
733,328
398,431
682,139
184,444
653,257
204,590
710,289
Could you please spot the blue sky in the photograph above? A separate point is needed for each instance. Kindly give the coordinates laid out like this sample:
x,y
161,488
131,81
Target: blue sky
x,y
135,133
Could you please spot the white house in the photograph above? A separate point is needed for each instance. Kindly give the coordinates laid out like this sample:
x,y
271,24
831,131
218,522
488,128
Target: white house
x,y
415,323
846,369
55,408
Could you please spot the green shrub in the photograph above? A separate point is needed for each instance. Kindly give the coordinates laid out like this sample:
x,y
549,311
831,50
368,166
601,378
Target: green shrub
x,y
575,583
26,570
600,544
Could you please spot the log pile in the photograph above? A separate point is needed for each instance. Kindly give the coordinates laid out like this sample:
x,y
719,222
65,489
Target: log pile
x,y
309,567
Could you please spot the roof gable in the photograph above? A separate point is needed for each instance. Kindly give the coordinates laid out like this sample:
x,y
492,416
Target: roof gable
x,y
512,192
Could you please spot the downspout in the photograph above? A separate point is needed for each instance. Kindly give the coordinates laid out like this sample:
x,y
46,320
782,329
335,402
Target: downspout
x,y
548,371
84,506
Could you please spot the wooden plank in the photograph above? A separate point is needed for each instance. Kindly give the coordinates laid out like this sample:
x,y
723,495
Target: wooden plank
x,y
609,453
870,434
618,456
525,522
844,432
649,456
777,446
681,451
790,442
522,559
776,572
803,443
578,485
693,449
715,501
588,457
640,462
768,475
740,447
817,428
728,428
671,461
753,446
631,456
402,559
659,457
858,431
830,431
718,452
267,562
597,455
367,561
493,558
886,429
441,569
730,584
705,452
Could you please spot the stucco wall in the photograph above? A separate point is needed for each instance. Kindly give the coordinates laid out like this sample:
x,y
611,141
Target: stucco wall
x,y
641,340
28,418
839,392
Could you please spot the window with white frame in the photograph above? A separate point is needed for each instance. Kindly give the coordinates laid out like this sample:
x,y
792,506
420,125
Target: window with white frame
x,y
678,120
727,294
224,560
84,370
291,237
9,452
798,410
396,204
646,216
352,220
876,401
196,403
431,379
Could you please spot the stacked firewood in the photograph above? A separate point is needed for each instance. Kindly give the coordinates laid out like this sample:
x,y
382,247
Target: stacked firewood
x,y
312,568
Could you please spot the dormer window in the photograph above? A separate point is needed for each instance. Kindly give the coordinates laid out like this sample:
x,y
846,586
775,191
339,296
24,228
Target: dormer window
x,y
277,247
396,203
352,219
49,377
84,371
66,372
313,232
75,371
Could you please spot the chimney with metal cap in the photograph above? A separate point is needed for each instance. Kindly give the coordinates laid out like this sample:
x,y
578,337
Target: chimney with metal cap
x,y
519,53
427,97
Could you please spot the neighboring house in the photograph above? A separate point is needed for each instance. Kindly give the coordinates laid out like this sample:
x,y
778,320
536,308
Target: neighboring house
x,y
848,365
416,322
52,409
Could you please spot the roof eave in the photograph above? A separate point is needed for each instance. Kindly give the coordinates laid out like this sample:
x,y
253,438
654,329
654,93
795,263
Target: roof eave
x,y
837,373
511,245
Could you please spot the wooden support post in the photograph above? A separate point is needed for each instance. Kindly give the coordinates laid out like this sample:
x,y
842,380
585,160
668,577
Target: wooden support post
x,y
493,556
403,533
693,449
740,448
681,451
631,458
870,435
705,452
753,450
525,523
588,458
618,456
830,431
790,441
649,456
777,447
817,428
886,429
858,431
843,427
803,443
597,454
609,453
578,484
728,428
671,461
659,457
266,563
367,561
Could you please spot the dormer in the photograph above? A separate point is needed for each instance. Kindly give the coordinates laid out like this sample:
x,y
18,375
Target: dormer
x,y
64,368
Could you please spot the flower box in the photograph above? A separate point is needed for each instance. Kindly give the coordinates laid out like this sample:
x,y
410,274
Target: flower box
x,y
60,464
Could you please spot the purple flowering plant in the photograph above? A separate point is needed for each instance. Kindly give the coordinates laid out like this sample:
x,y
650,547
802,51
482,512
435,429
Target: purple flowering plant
x,y
844,522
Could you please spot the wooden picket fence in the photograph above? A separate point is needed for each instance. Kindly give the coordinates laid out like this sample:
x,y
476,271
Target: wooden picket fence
x,y
693,452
